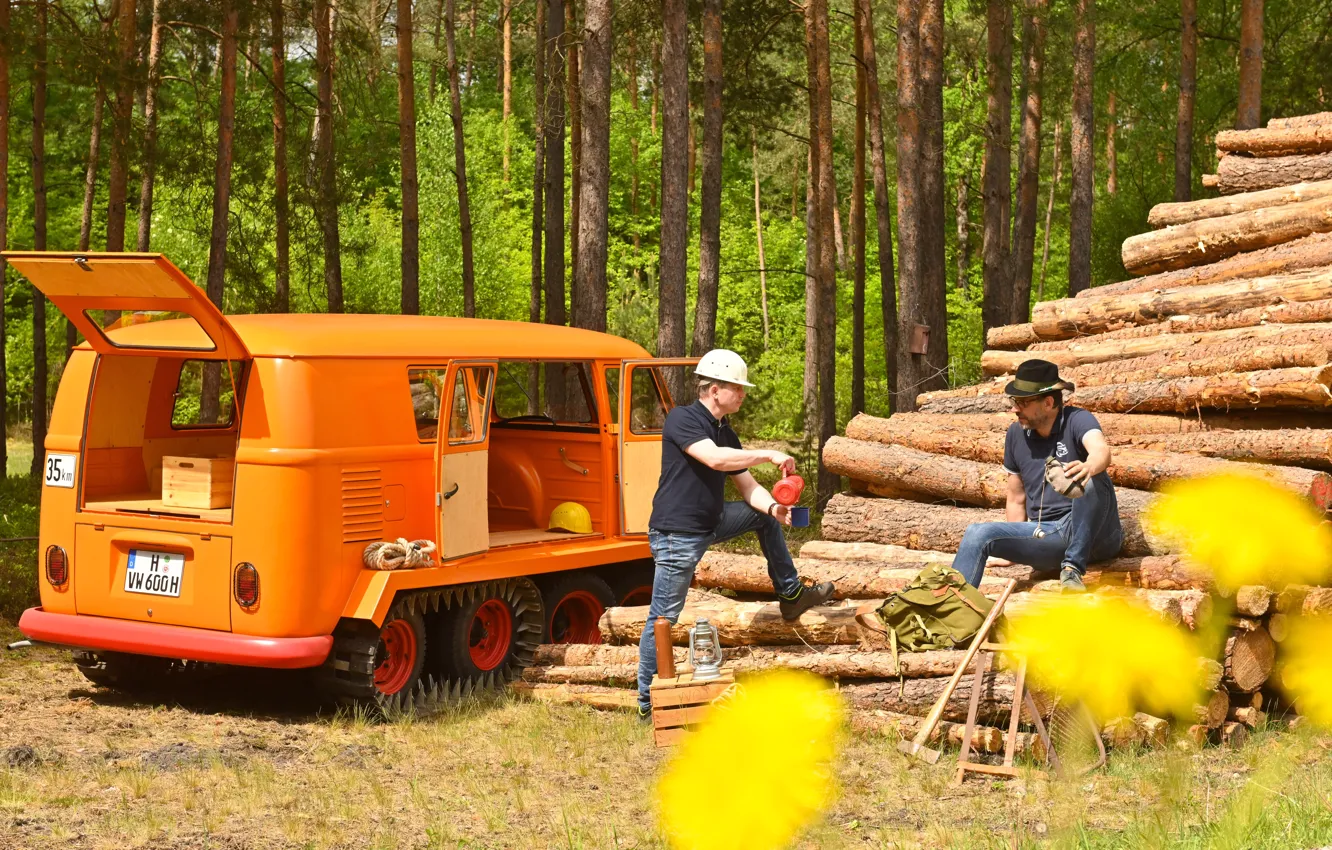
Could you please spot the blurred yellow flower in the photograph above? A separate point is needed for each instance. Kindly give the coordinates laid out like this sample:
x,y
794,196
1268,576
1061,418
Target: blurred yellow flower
x,y
1113,654
1307,674
1245,530
758,771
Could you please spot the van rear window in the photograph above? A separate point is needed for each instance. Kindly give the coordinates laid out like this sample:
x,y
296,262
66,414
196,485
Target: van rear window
x,y
204,395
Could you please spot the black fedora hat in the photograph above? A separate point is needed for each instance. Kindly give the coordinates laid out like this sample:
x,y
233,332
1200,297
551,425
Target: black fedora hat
x,y
1036,377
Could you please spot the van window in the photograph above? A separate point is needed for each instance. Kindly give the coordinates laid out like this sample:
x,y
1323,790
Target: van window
x,y
201,380
426,386
183,333
557,392
613,393
469,413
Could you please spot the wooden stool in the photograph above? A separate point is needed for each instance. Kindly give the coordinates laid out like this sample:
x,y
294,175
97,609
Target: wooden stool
x,y
679,703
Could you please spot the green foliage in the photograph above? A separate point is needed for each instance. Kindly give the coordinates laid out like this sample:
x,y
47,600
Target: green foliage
x,y
18,558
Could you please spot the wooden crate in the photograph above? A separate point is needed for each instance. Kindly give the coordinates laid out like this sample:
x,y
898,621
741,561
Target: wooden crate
x,y
203,483
681,702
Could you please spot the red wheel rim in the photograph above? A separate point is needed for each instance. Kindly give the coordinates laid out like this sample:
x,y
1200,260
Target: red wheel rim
x,y
398,649
575,618
491,635
638,596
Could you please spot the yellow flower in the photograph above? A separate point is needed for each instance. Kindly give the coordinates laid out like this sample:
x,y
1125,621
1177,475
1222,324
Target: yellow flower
x,y
758,771
1307,675
1245,530
1115,655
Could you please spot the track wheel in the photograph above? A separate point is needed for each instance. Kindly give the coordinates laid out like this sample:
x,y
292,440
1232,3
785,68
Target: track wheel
x,y
631,582
379,668
123,671
574,605
491,634
400,651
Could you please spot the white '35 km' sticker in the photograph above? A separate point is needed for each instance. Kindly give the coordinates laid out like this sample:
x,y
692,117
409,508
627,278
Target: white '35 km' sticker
x,y
60,470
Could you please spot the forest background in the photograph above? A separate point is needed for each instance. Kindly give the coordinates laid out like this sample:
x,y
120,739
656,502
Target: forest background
x,y
279,156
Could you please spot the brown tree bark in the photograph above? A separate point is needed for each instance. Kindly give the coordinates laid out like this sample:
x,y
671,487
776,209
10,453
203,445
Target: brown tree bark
x,y
739,623
1249,174
1290,122
917,697
1164,215
998,307
1249,658
758,231
434,58
1264,143
1307,447
810,385
39,370
1249,109
1111,156
853,580
556,44
923,526
1029,156
411,217
325,153
962,212
506,76
1074,316
826,339
1304,387
538,199
911,368
118,179
858,229
1188,85
572,98
709,239
1211,239
281,202
1049,213
933,210
592,696
936,476
150,130
1253,600
1080,204
593,223
632,82
460,165
1121,424
672,252
882,220
1210,712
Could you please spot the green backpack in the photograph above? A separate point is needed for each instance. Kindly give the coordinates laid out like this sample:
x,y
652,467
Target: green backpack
x,y
937,610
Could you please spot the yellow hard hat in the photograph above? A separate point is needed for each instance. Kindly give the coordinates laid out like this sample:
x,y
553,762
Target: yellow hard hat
x,y
570,516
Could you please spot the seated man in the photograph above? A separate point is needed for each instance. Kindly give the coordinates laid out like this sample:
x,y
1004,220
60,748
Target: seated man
x,y
1046,529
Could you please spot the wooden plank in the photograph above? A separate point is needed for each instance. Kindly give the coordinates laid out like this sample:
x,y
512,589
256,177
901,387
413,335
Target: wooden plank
x,y
532,535
202,483
663,718
693,695
668,737
143,503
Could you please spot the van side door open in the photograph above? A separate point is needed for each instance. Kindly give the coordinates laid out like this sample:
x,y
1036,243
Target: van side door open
x,y
461,458
645,399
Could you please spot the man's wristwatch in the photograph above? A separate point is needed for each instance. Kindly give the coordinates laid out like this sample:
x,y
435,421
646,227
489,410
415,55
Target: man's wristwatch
x,y
770,507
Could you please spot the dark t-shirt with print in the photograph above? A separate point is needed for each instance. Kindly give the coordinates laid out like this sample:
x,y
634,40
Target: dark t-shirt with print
x,y
690,495
1025,452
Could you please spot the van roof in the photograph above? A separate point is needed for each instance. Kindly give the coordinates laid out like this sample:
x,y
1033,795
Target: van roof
x,y
391,336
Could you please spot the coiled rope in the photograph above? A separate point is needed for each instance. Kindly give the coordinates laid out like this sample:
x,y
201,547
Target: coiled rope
x,y
402,555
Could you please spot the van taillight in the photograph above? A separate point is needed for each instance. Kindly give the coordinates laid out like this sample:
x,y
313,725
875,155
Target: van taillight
x,y
57,566
246,585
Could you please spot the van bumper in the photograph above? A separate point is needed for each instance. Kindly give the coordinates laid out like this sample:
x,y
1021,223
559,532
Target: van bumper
x,y
108,635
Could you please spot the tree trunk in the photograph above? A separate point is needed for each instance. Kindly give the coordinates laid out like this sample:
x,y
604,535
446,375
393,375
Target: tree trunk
x,y
1211,711
869,553
882,220
739,623
506,74
1049,213
1074,316
556,43
1249,659
572,86
1212,239
150,130
828,483
858,232
749,574
1012,337
1307,447
1080,205
118,180
1253,601
590,276
538,184
411,220
1165,215
89,196
936,476
434,58
1249,109
674,185
911,368
1111,158
39,372
810,386
1249,174
709,240
998,307
758,232
1029,158
325,152
632,79
963,251
917,697
1292,121
460,165
1305,387
933,210
471,45
1122,424
1188,84
281,208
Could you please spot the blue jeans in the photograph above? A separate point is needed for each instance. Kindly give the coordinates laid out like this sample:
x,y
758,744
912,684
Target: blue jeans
x,y
1089,532
677,553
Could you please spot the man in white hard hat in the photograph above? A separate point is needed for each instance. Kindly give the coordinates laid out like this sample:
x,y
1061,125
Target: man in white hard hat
x,y
698,451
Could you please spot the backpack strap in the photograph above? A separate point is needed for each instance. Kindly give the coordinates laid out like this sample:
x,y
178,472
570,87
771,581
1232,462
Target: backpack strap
x,y
967,602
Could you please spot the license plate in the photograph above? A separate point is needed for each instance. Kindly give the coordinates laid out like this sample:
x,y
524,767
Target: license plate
x,y
158,573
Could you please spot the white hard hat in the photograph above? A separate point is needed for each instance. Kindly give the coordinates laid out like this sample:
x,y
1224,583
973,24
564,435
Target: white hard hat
x,y
723,365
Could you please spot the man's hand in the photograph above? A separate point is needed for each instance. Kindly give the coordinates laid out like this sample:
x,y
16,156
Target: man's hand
x,y
782,514
783,461
1077,471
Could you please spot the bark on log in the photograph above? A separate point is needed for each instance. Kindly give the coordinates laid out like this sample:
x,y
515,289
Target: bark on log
x,y
1293,313
1197,735
1284,141
1291,598
884,430
1104,348
985,739
1070,317
739,623
1122,733
917,697
1155,730
1183,212
1250,174
1210,672
848,518
978,481
1293,121
1249,658
1247,716
980,405
1311,251
1302,387
1306,447
1278,626
828,550
1234,735
606,699
1208,240
591,655
1012,337
1211,712
1253,601
1318,600
853,580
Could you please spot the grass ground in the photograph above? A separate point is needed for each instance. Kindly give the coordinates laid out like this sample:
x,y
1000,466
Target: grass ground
x,y
248,761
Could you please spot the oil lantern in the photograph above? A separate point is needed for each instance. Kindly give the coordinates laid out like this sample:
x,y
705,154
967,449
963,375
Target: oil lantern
x,y
705,651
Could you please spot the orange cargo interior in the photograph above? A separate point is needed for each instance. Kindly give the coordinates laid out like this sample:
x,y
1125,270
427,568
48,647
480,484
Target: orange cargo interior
x,y
532,470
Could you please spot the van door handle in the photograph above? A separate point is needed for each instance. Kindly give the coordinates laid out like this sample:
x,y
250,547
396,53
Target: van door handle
x,y
564,456
452,493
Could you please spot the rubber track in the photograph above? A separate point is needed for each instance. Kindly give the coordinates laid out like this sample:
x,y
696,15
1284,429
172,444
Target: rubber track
x,y
349,673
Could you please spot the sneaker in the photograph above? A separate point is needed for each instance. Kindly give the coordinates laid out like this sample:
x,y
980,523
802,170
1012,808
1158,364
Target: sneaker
x,y
645,714
816,594
1071,580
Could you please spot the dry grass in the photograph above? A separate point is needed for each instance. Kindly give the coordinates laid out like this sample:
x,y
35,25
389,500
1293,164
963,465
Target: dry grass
x,y
246,760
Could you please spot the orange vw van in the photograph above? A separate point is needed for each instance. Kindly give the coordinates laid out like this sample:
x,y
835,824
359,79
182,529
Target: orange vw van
x,y
213,482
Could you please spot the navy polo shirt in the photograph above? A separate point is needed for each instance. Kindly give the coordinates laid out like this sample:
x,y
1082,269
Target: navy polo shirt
x,y
1025,452
690,495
